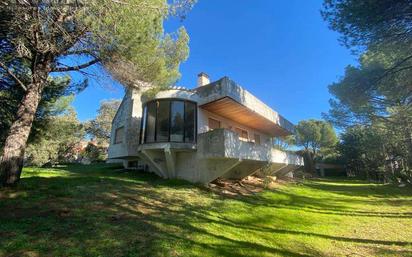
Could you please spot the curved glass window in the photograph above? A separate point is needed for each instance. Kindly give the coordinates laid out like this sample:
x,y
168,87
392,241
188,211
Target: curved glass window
x,y
169,120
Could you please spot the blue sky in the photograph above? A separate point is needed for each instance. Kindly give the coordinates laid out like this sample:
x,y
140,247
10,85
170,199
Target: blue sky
x,y
281,51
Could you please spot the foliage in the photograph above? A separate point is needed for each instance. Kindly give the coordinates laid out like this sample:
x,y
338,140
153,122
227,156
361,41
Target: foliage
x,y
112,32
95,153
100,127
362,149
58,141
385,113
370,23
373,101
94,210
53,96
38,38
151,93
382,81
315,135
283,143
375,152
372,90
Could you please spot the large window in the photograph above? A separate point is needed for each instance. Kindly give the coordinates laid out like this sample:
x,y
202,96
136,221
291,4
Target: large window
x,y
150,122
177,121
163,124
190,122
169,120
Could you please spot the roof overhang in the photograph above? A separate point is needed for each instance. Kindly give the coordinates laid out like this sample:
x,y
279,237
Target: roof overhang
x,y
231,109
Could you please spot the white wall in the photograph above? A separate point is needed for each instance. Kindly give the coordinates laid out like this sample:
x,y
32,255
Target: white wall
x,y
128,116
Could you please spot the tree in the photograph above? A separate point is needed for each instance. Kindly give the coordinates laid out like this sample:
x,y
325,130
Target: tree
x,y
95,153
283,143
358,100
41,37
10,96
374,99
382,80
57,142
365,23
379,151
314,136
365,94
100,127
362,148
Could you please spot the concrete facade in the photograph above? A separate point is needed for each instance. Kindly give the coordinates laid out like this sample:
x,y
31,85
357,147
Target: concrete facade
x,y
220,152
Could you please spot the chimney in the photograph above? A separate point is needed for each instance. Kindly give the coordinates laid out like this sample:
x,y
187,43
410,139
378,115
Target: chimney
x,y
202,79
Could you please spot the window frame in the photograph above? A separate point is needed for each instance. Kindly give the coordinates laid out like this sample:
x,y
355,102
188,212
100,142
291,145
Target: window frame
x,y
255,136
145,136
143,130
214,120
158,122
186,103
117,139
170,122
237,130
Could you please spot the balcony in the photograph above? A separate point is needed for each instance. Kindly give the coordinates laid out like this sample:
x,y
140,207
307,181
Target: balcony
x,y
224,143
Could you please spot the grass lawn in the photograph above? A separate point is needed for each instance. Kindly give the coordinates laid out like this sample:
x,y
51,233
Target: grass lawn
x,y
98,211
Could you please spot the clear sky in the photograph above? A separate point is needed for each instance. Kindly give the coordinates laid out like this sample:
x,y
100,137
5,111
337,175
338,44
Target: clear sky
x,y
281,51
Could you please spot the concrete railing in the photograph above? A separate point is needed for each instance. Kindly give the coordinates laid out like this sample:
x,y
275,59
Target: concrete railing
x,y
278,156
224,143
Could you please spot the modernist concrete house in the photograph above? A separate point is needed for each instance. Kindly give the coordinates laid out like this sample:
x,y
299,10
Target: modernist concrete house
x,y
215,130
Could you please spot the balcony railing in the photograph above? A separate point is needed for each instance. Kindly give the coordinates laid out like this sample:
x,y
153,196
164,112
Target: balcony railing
x,y
224,143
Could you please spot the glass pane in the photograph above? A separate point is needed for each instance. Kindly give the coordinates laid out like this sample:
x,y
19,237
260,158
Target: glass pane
x,y
162,126
177,116
144,121
151,119
190,119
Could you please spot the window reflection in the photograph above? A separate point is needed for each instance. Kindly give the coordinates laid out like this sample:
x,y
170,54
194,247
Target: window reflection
x,y
166,120
190,122
177,121
150,125
162,126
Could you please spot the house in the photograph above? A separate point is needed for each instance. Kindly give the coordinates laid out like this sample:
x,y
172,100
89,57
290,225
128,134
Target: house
x,y
215,130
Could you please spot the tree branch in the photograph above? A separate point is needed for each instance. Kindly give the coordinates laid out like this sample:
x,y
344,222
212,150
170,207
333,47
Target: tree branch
x,y
11,74
393,68
78,52
76,68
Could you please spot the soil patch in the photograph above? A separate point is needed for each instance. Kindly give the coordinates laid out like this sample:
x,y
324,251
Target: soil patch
x,y
247,186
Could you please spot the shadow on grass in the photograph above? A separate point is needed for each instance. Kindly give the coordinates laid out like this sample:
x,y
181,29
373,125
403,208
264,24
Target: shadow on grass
x,y
90,215
100,210
358,188
303,233
329,205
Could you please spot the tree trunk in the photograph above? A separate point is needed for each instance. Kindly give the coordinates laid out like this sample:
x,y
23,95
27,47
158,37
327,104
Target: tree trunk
x,y
309,162
11,162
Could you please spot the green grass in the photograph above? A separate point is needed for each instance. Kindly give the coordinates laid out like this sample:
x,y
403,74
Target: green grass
x,y
98,211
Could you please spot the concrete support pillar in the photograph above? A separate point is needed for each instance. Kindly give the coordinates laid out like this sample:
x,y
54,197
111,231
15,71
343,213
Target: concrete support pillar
x,y
170,157
155,166
234,165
